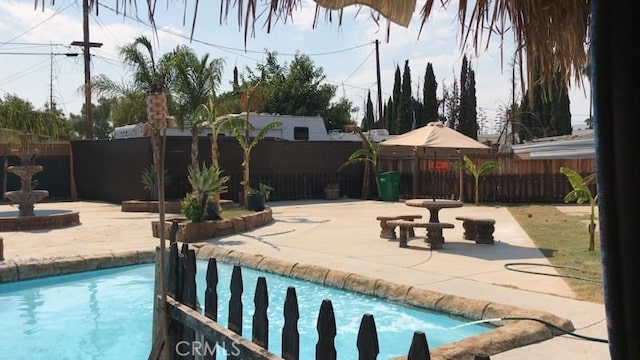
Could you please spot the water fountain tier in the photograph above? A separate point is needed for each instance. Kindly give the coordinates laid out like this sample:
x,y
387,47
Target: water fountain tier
x,y
26,196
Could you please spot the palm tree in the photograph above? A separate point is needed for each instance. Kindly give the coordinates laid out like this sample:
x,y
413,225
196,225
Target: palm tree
x,y
194,82
129,100
148,73
470,167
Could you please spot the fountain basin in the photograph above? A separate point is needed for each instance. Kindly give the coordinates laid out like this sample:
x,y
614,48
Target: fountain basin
x,y
19,196
43,219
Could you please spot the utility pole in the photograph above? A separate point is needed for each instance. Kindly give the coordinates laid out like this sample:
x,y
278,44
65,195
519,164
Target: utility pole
x,y
381,123
52,105
87,67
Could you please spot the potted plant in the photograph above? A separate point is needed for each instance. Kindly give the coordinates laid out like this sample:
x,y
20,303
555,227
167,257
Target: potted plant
x,y
332,191
256,198
200,204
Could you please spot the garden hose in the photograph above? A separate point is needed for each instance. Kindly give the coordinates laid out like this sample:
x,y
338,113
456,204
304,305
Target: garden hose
x,y
509,266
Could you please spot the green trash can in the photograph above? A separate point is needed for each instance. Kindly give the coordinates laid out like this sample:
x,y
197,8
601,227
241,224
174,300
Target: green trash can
x,y
389,185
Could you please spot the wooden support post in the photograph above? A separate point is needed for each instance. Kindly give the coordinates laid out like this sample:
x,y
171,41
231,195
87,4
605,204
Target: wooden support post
x,y
1,249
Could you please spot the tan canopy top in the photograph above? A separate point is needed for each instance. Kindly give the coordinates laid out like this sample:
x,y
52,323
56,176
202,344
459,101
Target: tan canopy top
x,y
435,135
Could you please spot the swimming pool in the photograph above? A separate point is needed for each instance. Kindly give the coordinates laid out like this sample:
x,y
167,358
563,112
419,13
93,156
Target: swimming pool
x,y
106,314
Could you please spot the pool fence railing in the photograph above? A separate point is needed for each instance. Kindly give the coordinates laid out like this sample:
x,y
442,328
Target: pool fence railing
x,y
193,335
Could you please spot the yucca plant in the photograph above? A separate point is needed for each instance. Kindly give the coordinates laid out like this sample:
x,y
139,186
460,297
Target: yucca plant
x,y
469,167
581,194
205,182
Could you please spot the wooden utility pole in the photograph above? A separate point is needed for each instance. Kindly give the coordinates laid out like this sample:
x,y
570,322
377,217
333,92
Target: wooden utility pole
x,y
86,46
88,121
381,123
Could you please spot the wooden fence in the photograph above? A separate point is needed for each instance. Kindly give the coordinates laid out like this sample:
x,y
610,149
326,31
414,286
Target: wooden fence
x,y
189,327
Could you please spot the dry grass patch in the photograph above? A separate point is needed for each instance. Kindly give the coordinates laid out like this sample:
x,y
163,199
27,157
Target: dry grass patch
x,y
235,211
564,240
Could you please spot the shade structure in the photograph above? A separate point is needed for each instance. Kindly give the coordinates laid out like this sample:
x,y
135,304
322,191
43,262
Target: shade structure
x,y
435,135
432,137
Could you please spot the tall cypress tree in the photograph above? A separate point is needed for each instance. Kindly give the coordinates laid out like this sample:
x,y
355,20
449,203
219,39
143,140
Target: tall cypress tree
x,y
464,106
367,122
471,123
392,125
405,113
388,115
429,98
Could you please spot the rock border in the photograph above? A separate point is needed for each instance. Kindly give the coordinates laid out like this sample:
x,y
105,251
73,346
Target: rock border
x,y
186,231
18,270
508,335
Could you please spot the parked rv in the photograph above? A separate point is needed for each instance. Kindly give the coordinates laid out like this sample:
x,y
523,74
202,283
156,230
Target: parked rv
x,y
293,128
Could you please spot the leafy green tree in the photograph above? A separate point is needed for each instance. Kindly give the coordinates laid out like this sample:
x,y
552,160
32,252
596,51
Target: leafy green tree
x,y
338,115
470,167
102,126
127,102
451,100
429,97
24,128
368,121
581,193
405,111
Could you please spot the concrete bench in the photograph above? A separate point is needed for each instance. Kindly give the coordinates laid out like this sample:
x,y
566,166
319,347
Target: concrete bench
x,y
434,231
389,232
478,229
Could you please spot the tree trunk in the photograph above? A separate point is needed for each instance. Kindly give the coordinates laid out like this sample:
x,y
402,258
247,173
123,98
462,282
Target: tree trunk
x,y
194,145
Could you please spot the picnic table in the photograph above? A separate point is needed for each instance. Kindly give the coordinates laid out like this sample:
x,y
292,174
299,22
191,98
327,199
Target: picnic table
x,y
434,206
434,233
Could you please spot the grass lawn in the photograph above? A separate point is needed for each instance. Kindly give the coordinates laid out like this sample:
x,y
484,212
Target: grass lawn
x,y
564,240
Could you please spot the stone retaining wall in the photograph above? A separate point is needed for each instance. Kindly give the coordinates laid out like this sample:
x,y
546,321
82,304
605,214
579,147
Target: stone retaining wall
x,y
190,232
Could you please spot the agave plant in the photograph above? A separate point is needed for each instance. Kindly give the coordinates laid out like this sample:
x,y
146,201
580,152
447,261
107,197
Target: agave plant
x,y
205,182
581,194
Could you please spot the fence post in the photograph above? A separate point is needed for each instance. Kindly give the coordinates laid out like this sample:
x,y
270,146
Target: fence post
x,y
419,349
173,283
290,334
260,326
325,348
211,293
211,304
367,342
189,296
235,304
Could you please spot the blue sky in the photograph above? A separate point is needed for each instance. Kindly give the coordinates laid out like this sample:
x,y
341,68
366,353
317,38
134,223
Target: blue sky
x,y
23,29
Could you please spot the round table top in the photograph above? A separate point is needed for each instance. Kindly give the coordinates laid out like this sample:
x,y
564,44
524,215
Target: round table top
x,y
437,203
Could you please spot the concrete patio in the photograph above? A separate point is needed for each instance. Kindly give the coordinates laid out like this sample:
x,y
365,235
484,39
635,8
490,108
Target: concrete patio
x,y
344,235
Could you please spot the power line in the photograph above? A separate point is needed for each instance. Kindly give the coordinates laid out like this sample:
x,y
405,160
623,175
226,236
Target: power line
x,y
37,53
229,48
57,12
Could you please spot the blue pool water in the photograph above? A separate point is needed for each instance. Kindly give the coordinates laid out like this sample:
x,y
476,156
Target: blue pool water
x,y
106,314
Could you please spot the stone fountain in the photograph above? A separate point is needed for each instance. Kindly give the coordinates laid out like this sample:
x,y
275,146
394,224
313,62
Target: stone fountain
x,y
26,196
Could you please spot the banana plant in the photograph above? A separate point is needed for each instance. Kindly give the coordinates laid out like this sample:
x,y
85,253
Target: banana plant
x,y
367,154
581,194
477,171
240,129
